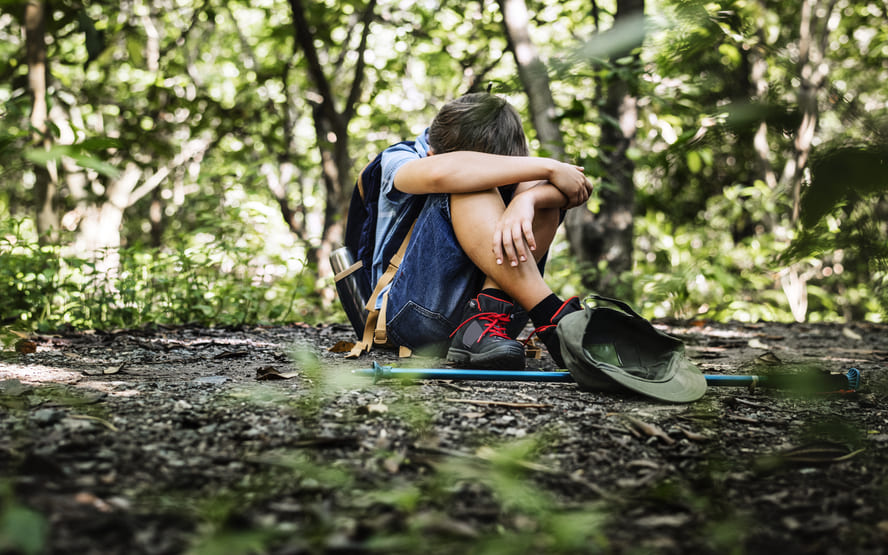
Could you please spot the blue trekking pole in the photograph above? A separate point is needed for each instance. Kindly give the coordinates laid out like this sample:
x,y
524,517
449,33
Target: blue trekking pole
x,y
848,381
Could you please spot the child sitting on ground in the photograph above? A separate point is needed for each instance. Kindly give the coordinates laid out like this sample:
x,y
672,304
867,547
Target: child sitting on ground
x,y
489,214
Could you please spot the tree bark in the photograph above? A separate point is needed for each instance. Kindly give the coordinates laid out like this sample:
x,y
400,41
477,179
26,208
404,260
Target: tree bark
x,y
604,241
812,71
758,67
534,77
331,128
46,182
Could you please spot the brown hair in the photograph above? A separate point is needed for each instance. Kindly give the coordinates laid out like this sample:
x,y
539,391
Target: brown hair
x,y
481,122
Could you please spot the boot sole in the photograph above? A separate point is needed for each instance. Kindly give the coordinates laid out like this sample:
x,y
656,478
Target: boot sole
x,y
510,358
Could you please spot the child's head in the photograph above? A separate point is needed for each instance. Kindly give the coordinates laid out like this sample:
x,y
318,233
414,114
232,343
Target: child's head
x,y
480,122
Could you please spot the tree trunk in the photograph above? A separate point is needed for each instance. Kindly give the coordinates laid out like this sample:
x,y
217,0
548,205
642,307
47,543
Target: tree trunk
x,y
331,128
534,77
758,80
98,234
46,184
604,241
812,71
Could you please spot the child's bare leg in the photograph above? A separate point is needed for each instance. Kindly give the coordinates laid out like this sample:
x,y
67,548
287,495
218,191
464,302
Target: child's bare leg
x,y
474,217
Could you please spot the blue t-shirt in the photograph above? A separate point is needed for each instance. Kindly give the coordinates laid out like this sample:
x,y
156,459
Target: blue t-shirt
x,y
392,203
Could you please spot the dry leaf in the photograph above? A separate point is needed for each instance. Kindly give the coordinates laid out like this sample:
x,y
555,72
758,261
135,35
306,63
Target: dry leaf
x,y
342,347
114,369
767,358
693,436
25,347
86,498
815,453
392,464
108,370
272,373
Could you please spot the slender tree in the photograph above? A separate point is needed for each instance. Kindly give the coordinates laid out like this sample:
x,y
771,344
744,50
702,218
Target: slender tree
x,y
331,125
816,24
534,77
46,182
607,236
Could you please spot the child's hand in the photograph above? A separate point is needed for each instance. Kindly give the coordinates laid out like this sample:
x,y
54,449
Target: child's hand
x,y
572,183
513,238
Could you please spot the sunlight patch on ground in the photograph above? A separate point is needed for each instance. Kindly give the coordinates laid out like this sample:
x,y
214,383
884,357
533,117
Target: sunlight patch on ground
x,y
38,374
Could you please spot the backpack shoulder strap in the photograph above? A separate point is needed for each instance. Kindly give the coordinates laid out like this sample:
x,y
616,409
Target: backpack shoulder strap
x,y
374,328
367,187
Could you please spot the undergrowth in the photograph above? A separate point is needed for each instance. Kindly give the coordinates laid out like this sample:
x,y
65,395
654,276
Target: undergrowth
x,y
43,288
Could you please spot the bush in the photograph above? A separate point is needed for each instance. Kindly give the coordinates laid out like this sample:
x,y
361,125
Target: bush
x,y
208,284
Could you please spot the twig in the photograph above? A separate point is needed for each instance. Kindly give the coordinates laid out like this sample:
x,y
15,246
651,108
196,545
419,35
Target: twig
x,y
648,429
499,403
101,421
454,387
744,419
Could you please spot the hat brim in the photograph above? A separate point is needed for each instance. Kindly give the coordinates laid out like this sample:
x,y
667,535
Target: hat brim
x,y
682,384
677,379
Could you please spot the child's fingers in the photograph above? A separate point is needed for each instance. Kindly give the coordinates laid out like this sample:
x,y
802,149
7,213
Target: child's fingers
x,y
509,248
518,245
527,228
498,246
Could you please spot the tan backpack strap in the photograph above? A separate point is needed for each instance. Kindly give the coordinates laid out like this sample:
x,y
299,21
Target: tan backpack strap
x,y
374,328
366,341
380,335
348,271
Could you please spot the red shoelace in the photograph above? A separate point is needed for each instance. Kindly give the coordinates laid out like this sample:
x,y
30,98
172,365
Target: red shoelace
x,y
496,324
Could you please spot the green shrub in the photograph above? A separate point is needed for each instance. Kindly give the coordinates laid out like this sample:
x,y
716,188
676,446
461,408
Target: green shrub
x,y
208,283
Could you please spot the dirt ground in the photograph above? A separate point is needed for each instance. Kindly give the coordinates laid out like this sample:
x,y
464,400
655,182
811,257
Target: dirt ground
x,y
260,440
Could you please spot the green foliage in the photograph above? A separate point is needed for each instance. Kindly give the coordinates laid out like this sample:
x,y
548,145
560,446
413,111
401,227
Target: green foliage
x,y
22,530
203,109
504,472
844,217
209,283
842,176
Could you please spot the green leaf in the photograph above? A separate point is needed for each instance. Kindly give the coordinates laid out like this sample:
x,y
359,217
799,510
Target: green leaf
x,y
22,530
44,156
101,167
695,162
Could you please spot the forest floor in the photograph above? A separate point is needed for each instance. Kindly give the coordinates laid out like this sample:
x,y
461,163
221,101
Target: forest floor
x,y
260,440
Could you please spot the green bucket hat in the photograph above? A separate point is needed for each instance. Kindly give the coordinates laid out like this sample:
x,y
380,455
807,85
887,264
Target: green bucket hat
x,y
615,350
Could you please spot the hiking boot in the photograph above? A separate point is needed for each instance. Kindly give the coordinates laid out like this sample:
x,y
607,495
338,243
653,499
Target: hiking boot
x,y
481,340
547,333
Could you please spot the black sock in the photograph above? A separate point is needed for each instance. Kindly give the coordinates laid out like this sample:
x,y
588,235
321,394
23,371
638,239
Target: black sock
x,y
542,313
496,293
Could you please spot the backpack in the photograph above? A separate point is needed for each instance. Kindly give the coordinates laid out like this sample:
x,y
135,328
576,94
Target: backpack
x,y
360,241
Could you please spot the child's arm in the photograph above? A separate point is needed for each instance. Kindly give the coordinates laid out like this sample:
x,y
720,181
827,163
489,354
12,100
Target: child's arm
x,y
467,172
514,230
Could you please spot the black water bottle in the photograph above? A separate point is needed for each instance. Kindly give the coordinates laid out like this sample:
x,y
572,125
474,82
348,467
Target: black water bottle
x,y
352,287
